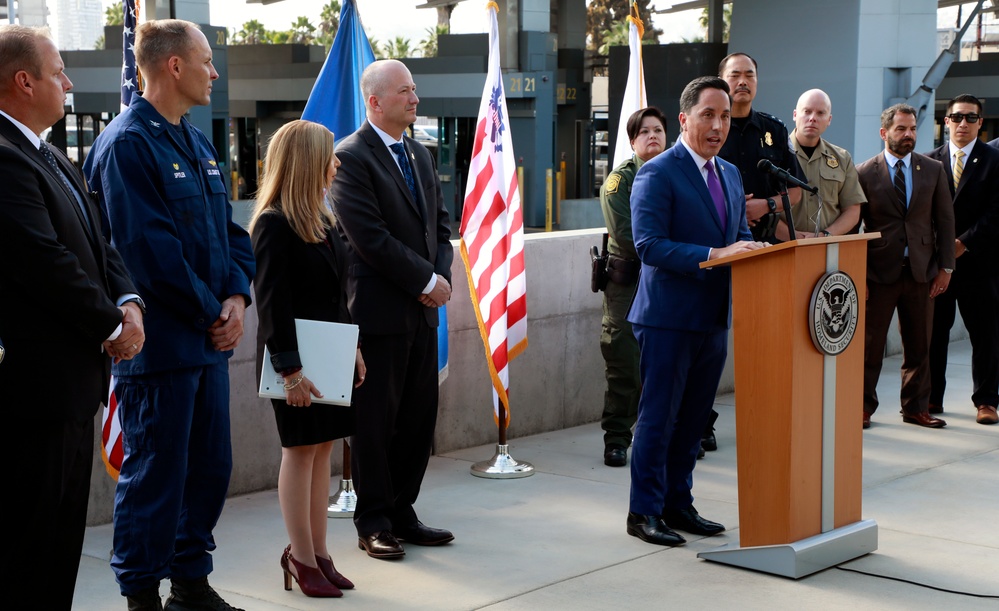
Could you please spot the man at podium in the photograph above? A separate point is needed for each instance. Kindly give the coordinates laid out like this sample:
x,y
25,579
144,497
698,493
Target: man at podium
x,y
687,207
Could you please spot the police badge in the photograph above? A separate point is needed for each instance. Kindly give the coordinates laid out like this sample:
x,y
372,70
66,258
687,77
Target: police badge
x,y
833,313
768,139
832,162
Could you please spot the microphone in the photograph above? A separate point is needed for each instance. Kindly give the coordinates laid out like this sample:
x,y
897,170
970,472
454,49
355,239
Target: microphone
x,y
765,165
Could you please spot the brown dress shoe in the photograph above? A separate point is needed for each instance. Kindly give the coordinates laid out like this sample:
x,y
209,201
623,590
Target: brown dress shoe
x,y
924,419
987,415
867,420
935,408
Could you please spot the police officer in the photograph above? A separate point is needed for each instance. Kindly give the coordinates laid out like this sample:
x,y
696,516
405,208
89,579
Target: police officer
x,y
646,129
756,135
169,215
835,209
753,136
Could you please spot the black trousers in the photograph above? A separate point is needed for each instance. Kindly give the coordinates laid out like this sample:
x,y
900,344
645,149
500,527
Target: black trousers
x,y
978,298
49,487
395,416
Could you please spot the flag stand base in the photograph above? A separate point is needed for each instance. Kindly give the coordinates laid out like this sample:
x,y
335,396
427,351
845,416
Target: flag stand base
x,y
502,466
342,503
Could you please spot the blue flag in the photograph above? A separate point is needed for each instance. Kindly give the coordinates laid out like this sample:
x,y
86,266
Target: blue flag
x,y
129,76
336,101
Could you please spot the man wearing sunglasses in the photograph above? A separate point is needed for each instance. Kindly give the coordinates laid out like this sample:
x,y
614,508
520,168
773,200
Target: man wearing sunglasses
x,y
973,170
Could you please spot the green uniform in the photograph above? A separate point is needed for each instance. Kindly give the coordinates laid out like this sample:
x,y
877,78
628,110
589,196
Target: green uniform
x,y
831,169
617,342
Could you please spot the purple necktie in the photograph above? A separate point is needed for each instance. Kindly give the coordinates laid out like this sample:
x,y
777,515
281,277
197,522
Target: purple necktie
x,y
715,189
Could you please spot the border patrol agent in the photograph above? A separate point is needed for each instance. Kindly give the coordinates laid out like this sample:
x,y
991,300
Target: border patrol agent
x,y
646,129
168,212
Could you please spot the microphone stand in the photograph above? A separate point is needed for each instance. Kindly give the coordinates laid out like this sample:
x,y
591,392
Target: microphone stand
x,y
791,234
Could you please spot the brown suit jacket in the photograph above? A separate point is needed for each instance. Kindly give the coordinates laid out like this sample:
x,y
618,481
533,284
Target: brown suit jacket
x,y
926,227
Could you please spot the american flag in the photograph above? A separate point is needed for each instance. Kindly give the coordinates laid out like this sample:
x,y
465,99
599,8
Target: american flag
x,y
492,232
111,449
111,444
129,74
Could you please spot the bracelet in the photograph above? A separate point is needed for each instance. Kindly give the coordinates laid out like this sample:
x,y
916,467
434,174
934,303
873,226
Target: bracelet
x,y
295,382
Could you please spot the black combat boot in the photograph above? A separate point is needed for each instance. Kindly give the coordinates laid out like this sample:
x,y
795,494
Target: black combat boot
x,y
195,595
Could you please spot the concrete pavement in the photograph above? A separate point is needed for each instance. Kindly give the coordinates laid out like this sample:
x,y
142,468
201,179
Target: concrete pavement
x,y
557,539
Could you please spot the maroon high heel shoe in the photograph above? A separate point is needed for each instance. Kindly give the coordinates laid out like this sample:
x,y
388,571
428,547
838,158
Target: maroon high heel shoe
x,y
332,575
310,579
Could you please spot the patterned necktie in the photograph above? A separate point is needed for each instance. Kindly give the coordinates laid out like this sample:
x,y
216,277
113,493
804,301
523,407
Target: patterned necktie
x,y
407,170
50,158
715,189
900,184
958,168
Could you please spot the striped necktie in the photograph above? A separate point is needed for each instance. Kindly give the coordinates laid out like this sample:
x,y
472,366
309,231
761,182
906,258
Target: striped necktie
x,y
958,167
900,184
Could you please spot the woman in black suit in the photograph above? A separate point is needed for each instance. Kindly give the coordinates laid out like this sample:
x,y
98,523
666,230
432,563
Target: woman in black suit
x,y
301,273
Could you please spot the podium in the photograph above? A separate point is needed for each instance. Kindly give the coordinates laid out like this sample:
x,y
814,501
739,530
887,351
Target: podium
x,y
799,402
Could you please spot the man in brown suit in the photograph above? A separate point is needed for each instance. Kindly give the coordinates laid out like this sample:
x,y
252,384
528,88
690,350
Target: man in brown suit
x,y
909,202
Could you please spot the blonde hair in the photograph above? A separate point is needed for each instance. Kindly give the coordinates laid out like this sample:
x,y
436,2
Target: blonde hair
x,y
298,157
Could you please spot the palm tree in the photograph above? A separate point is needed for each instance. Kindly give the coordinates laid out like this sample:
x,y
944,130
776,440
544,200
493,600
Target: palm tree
x,y
613,36
252,33
302,31
329,23
398,47
114,14
428,46
376,48
726,21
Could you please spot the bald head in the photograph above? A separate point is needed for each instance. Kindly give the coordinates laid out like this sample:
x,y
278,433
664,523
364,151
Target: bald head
x,y
812,116
389,96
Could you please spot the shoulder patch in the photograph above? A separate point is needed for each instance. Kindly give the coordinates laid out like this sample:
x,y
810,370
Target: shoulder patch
x,y
613,181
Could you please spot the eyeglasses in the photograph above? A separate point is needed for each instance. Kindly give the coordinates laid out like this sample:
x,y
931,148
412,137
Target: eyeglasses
x,y
957,117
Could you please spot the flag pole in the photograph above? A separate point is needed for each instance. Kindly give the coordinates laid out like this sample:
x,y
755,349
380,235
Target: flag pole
x,y
492,248
342,503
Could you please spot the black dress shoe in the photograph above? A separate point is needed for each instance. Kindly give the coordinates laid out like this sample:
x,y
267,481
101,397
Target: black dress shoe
x,y
688,520
708,440
194,595
419,534
381,545
651,529
615,456
700,452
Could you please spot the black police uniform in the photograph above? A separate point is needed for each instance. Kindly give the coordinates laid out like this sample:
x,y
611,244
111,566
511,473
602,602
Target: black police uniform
x,y
761,136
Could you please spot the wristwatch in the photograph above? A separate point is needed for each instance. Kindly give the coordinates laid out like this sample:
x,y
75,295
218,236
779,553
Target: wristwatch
x,y
948,270
137,301
825,233
772,204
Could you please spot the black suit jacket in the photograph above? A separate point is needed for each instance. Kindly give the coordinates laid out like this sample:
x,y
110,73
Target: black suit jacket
x,y
294,279
59,280
976,206
394,246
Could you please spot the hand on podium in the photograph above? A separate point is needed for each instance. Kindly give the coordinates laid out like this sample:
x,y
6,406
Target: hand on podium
x,y
734,249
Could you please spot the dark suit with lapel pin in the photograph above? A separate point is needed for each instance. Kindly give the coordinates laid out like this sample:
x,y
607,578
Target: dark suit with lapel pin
x,y
975,284
59,281
896,280
681,315
396,244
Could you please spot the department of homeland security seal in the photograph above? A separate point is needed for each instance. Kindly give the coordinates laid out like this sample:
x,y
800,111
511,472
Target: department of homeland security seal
x,y
833,312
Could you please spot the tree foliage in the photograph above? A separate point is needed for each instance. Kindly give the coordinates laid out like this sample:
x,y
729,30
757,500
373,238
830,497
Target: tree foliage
x,y
329,23
398,47
114,14
605,18
428,46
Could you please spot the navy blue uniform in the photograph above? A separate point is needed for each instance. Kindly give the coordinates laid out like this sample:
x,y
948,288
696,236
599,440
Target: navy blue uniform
x,y
168,213
760,136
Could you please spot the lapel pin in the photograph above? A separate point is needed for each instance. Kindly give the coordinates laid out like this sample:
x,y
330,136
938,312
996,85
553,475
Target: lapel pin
x,y
918,168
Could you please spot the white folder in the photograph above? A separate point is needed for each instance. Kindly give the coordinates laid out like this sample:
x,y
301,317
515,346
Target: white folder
x,y
327,350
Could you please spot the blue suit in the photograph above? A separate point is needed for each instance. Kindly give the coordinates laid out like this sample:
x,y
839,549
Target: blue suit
x,y
681,315
168,212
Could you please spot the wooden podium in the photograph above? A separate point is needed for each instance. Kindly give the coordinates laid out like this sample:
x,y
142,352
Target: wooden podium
x,y
799,401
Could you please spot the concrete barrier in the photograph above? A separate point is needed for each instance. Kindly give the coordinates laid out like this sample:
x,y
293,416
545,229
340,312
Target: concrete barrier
x,y
556,383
